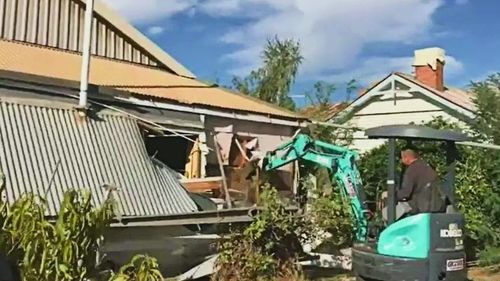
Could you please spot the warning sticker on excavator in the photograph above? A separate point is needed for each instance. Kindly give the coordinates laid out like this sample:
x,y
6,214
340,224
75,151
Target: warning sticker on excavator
x,y
454,265
350,187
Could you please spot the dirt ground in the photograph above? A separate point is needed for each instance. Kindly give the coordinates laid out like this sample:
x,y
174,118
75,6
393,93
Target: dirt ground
x,y
479,274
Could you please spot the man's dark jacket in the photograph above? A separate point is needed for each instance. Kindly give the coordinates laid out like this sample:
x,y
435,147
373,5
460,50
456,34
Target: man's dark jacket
x,y
421,188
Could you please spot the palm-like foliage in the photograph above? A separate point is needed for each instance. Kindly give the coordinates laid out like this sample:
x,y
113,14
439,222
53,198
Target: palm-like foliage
x,y
65,249
272,81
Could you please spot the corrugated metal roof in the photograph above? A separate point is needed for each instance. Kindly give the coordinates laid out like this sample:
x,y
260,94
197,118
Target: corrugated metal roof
x,y
323,113
105,150
142,80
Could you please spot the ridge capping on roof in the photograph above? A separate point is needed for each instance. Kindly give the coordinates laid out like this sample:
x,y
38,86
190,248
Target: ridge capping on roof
x,y
130,31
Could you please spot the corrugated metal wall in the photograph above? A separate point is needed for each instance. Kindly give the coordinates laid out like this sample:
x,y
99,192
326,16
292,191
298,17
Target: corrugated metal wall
x,y
34,139
59,23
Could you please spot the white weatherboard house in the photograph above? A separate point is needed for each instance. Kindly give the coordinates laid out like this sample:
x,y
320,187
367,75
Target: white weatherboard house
x,y
401,98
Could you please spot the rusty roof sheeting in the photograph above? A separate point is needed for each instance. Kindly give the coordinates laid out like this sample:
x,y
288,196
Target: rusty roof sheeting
x,y
135,78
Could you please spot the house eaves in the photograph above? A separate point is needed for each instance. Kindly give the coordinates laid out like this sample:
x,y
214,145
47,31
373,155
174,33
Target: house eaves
x,y
124,100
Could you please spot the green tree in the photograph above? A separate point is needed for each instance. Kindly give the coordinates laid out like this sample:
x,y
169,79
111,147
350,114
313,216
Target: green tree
x,y
487,101
486,125
321,95
352,86
272,82
321,109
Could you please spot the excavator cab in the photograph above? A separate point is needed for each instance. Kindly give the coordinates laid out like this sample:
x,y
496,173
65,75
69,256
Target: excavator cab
x,y
421,247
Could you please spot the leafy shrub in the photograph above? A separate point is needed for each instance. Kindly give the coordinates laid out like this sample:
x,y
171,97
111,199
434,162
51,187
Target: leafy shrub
x,y
64,250
67,248
266,250
328,212
140,268
490,257
332,214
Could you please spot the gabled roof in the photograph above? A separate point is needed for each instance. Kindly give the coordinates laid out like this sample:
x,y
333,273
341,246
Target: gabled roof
x,y
460,98
135,35
457,96
143,81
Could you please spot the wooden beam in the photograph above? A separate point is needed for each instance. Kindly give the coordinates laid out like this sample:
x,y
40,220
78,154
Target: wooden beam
x,y
204,184
223,174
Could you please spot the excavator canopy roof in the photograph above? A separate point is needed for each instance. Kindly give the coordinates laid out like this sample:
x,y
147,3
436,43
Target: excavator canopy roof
x,y
415,132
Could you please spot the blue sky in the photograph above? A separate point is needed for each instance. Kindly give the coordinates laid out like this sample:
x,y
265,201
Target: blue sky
x,y
340,39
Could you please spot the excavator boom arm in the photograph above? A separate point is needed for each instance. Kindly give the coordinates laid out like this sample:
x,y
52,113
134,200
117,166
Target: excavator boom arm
x,y
339,161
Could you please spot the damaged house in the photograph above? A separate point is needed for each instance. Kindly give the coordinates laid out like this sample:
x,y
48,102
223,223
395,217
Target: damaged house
x,y
152,135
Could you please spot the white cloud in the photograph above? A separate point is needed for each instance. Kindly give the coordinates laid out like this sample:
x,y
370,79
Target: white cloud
x,y
220,7
148,11
242,8
332,33
246,60
375,68
155,30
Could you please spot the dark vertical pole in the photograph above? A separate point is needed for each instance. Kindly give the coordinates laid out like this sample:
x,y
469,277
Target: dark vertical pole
x,y
451,161
391,205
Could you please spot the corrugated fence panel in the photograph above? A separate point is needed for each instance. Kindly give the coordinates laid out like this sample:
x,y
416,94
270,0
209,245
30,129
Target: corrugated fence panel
x,y
59,23
47,151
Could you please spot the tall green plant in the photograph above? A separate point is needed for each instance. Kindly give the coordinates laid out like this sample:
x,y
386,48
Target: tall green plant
x,y
140,268
272,82
65,249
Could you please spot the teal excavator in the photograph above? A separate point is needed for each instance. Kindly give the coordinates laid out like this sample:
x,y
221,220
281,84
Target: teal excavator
x,y
421,247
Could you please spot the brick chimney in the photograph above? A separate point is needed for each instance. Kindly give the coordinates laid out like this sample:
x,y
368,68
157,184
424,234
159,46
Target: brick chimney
x,y
429,67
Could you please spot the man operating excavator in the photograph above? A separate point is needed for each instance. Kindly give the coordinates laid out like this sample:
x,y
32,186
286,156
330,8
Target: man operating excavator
x,y
420,189
421,184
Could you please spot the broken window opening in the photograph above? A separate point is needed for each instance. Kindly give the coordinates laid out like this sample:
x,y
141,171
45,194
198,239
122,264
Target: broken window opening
x,y
177,152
